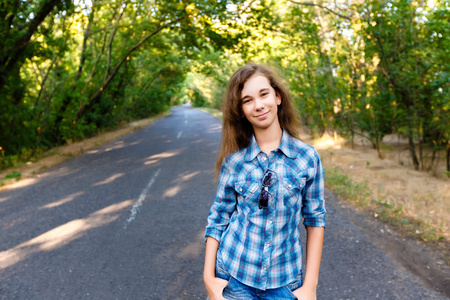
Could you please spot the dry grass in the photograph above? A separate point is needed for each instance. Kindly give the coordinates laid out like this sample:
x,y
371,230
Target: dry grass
x,y
414,201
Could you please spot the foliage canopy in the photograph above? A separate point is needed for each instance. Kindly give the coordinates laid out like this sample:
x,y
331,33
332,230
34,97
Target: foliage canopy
x,y
69,70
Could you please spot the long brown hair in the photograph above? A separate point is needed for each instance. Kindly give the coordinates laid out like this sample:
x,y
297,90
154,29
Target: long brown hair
x,y
237,130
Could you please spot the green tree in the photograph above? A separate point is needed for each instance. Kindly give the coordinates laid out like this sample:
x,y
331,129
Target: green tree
x,y
87,67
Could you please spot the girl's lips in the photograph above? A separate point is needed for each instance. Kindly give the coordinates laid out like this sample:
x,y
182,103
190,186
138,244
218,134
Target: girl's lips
x,y
262,116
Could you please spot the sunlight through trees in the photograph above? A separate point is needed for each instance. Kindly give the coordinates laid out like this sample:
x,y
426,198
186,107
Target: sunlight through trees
x,y
71,69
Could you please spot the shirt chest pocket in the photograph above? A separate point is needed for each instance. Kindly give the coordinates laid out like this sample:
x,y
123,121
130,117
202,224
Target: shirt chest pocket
x,y
292,188
246,191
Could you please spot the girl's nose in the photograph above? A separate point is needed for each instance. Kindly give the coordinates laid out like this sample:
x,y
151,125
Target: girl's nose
x,y
259,104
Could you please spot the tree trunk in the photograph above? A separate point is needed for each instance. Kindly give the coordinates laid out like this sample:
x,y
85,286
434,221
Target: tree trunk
x,y
412,148
448,159
379,140
83,56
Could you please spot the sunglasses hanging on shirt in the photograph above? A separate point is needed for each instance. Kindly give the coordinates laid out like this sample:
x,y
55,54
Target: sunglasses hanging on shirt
x,y
269,179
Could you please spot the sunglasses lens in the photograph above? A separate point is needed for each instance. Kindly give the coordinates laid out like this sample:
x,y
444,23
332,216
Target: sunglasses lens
x,y
264,199
269,178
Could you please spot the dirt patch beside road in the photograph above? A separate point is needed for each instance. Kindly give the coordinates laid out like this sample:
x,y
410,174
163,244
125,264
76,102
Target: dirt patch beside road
x,y
417,197
419,202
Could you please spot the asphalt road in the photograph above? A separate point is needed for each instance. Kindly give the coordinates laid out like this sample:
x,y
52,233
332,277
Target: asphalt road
x,y
126,221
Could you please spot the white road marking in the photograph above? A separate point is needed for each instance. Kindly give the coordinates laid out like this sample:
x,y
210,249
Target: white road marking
x,y
135,208
179,134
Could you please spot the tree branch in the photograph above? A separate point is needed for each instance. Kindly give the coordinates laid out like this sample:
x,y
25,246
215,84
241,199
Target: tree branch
x,y
323,7
17,48
94,98
22,42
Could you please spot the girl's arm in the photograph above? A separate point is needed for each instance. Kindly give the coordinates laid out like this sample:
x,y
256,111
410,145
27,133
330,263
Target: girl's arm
x,y
314,245
218,219
214,286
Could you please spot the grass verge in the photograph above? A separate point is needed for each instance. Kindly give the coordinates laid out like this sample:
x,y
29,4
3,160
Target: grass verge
x,y
382,209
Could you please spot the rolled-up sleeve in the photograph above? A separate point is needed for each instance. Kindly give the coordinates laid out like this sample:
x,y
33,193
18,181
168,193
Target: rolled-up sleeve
x,y
313,202
224,205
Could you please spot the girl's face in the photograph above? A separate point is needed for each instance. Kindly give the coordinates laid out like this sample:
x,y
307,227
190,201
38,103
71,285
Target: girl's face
x,y
260,103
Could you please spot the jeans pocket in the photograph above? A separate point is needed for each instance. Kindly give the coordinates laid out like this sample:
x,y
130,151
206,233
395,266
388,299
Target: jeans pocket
x,y
288,290
229,283
298,282
226,290
226,287
236,290
221,272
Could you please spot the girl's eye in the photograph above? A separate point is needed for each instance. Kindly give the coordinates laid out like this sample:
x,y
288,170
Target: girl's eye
x,y
264,94
246,100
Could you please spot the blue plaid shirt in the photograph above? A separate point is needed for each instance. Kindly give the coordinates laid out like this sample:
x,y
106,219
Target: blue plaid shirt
x,y
261,247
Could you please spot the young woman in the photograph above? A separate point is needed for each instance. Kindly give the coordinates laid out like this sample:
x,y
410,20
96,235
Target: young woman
x,y
268,180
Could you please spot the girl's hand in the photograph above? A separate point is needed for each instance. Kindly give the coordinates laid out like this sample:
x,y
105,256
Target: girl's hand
x,y
305,293
214,288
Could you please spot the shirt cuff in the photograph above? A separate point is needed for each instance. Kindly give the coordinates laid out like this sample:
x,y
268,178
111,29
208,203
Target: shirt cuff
x,y
316,222
214,233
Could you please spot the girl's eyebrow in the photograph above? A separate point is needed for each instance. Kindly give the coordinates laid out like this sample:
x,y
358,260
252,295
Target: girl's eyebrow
x,y
261,90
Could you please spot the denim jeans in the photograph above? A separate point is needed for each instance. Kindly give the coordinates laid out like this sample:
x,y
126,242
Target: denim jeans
x,y
239,291
236,290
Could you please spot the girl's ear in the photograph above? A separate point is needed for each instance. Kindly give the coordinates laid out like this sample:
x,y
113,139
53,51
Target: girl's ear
x,y
278,99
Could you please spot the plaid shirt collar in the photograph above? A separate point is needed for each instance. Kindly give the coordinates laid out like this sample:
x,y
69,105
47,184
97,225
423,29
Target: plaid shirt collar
x,y
286,140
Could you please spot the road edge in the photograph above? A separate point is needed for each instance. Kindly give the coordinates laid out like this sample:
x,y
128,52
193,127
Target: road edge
x,y
417,257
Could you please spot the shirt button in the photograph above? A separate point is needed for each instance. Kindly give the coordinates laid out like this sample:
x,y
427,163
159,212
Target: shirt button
x,y
290,185
240,190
